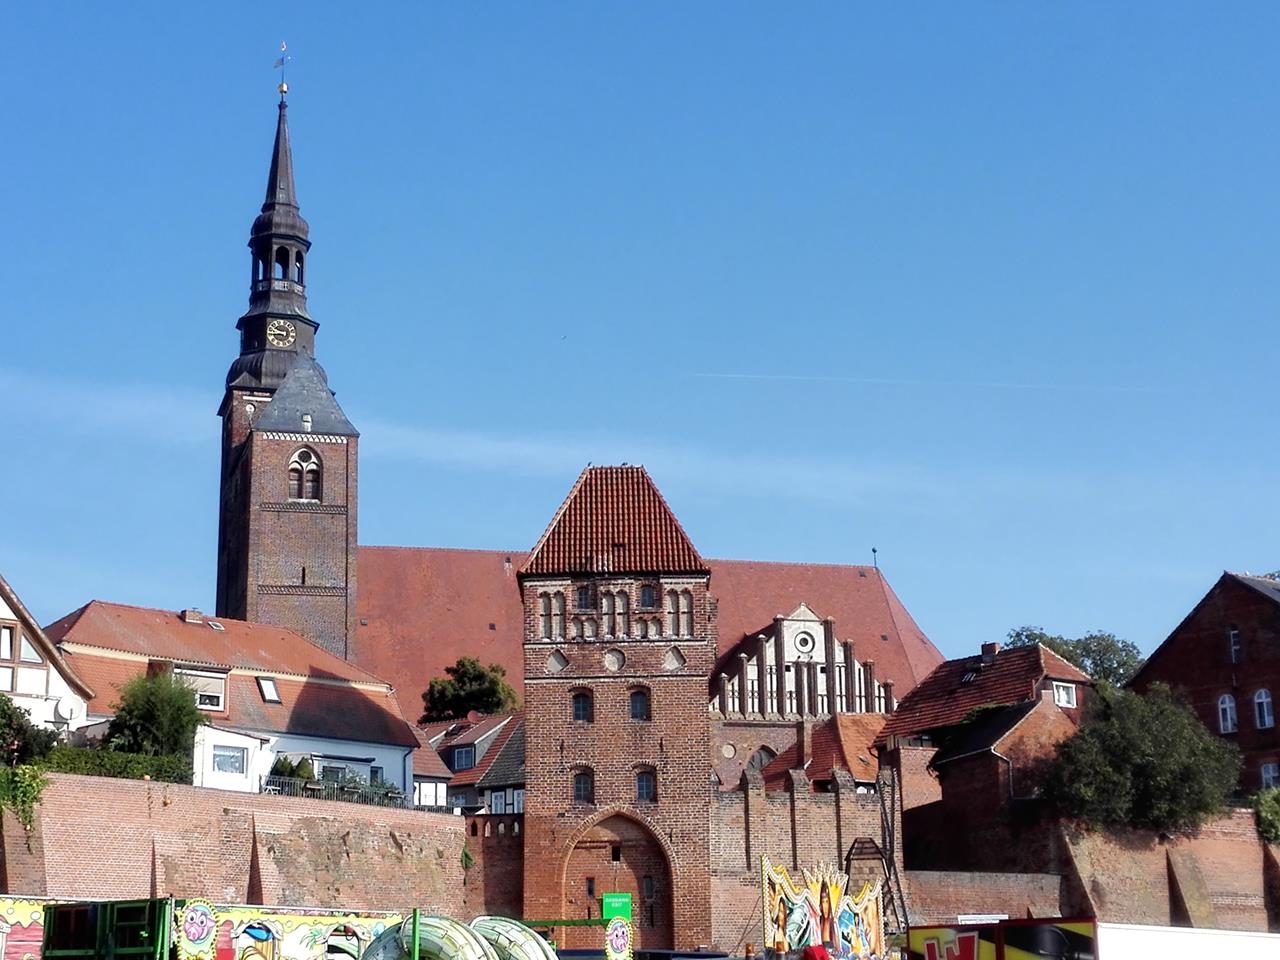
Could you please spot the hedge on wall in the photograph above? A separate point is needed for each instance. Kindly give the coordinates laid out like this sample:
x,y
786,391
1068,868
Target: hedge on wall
x,y
112,763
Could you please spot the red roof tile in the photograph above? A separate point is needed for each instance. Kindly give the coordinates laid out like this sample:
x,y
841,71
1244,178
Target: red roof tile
x,y
508,722
426,762
945,697
614,521
843,741
322,695
165,635
420,608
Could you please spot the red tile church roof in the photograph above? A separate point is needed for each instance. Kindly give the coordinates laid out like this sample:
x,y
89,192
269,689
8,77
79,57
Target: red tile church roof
x,y
843,741
614,521
419,609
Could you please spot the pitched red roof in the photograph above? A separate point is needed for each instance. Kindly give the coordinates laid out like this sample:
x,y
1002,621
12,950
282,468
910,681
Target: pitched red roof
x,y
614,521
843,740
508,724
321,695
426,762
945,697
864,606
420,608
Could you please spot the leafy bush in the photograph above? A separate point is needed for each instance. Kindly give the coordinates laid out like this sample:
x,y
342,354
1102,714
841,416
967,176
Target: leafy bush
x,y
285,766
21,741
157,716
1142,761
115,763
1267,807
20,790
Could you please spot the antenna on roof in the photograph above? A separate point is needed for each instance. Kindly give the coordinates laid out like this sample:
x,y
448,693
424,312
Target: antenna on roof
x,y
874,560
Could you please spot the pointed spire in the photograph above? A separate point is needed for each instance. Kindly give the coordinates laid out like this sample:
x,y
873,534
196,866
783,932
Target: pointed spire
x,y
280,214
280,180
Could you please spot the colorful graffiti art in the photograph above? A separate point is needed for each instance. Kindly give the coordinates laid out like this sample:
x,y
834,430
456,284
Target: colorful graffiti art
x,y
208,932
821,910
952,943
21,928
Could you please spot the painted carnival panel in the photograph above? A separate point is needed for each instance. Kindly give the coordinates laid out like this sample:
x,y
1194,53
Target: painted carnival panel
x,y
821,909
208,932
21,928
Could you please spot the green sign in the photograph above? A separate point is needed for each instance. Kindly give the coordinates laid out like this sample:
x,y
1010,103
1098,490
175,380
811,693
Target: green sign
x,y
616,905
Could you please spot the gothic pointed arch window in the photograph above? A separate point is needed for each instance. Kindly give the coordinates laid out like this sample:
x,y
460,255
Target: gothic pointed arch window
x,y
686,613
557,615
544,616
624,613
306,480
673,613
609,609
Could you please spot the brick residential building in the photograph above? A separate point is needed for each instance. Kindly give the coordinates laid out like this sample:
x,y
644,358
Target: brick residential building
x,y
1224,658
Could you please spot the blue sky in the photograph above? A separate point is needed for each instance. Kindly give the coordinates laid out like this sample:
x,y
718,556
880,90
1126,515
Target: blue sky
x,y
988,287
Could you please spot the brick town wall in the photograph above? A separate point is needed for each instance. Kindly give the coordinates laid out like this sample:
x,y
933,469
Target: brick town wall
x,y
494,883
100,838
734,742
940,896
919,784
795,828
1216,878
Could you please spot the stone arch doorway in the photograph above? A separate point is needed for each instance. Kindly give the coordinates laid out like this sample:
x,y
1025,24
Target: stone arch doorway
x,y
619,855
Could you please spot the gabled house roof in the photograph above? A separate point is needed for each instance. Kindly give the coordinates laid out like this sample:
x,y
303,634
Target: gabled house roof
x,y
957,687
614,521
500,728
321,694
1267,586
843,740
426,762
47,647
983,732
507,767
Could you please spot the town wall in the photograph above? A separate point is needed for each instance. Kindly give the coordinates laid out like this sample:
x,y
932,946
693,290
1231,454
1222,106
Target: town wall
x,y
795,828
494,865
101,838
939,897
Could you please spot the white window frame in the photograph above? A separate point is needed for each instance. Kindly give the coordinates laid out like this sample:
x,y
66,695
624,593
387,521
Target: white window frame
x,y
1264,711
1270,774
225,750
1064,694
192,676
27,652
270,692
498,801
517,800
458,754
7,632
1228,722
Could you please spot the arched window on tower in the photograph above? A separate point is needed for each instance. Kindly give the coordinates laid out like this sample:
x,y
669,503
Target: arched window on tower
x,y
544,602
557,615
584,785
686,613
761,759
297,268
673,613
305,478
624,614
282,263
610,619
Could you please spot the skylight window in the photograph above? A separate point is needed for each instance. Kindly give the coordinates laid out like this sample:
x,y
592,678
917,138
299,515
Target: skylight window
x,y
969,677
214,625
267,687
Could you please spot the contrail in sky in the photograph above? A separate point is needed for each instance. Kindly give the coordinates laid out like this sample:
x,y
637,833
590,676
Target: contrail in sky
x,y
961,384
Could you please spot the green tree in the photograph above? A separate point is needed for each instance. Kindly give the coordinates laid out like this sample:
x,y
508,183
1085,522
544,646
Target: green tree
x,y
20,739
1101,655
468,686
157,716
1142,761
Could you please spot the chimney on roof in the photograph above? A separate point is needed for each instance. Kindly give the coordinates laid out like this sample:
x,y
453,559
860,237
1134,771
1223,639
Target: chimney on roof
x,y
989,651
192,615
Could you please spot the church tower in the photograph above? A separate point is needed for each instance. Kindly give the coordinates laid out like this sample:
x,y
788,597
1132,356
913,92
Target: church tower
x,y
287,513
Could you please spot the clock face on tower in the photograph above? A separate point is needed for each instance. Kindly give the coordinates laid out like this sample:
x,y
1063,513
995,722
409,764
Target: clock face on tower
x,y
281,333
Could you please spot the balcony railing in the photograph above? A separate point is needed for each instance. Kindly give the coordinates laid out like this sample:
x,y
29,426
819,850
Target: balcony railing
x,y
371,794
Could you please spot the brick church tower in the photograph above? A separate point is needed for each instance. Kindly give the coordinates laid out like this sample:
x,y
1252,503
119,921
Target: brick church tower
x,y
619,642
287,513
